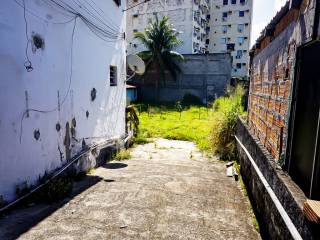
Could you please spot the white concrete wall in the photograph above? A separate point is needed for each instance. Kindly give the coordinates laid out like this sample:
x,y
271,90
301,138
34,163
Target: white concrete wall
x,y
180,13
30,158
231,22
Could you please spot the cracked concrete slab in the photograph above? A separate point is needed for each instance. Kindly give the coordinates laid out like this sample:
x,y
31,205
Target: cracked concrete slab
x,y
167,190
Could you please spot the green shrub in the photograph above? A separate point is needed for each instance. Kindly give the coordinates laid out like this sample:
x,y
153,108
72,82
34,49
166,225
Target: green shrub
x,y
227,110
57,189
123,154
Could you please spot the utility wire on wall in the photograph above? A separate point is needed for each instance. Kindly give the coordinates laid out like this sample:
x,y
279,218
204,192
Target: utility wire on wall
x,y
68,90
103,28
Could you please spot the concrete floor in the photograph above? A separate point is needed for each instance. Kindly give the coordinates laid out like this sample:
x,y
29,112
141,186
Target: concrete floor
x,y
168,190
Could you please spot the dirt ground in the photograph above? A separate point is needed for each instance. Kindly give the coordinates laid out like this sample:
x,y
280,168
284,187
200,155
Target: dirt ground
x,y
168,190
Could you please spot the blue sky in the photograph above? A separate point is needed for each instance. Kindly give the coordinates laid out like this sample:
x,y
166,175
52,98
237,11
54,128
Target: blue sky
x,y
263,12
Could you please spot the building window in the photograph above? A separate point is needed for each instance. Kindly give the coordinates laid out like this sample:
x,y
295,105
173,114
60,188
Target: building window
x,y
240,28
230,46
223,40
224,16
224,29
233,1
113,75
242,2
118,2
240,40
225,2
207,41
241,13
239,54
238,65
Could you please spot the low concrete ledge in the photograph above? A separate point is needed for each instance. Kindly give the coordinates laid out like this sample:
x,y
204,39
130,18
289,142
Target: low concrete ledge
x,y
288,193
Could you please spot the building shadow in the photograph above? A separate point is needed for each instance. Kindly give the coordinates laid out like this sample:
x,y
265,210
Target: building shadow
x,y
115,165
19,220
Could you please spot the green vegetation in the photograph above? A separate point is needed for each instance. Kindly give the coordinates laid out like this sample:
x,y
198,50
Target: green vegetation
x,y
227,110
212,129
160,39
54,190
171,122
123,154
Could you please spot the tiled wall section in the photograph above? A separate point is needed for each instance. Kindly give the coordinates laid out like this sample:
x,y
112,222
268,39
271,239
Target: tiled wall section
x,y
272,74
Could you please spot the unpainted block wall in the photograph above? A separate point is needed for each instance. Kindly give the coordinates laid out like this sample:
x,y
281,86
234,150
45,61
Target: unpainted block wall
x,y
205,76
272,75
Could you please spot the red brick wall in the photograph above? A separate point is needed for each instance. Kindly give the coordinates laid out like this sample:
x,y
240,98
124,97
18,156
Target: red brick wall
x,y
269,97
272,74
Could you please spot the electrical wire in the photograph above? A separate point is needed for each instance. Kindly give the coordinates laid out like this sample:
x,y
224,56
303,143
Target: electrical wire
x,y
108,143
100,27
27,63
67,93
37,16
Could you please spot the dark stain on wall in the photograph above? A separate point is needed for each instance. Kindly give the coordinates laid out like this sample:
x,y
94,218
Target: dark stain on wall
x,y
73,128
36,134
93,94
67,141
37,42
58,127
60,153
74,122
87,114
84,144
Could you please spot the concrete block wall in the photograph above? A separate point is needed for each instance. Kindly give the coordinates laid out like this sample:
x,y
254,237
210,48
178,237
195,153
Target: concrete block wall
x,y
203,75
290,196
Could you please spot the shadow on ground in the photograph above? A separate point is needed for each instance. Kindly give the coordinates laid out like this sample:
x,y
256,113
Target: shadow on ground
x,y
115,165
19,220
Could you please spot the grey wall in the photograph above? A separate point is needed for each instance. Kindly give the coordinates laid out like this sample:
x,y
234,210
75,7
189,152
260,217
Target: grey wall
x,y
272,226
205,76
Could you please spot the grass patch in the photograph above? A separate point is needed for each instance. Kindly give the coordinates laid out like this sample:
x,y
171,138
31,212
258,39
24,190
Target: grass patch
x,y
123,154
192,123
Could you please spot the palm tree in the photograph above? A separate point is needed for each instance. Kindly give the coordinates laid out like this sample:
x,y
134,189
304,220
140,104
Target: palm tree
x,y
160,39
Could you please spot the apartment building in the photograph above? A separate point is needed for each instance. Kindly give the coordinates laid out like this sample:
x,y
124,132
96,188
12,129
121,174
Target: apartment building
x,y
189,17
230,29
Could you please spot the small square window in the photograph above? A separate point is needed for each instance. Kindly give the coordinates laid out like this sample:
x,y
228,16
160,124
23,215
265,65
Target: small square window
x,y
233,1
225,14
241,13
240,28
242,1
238,65
240,40
224,28
118,2
225,2
113,76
